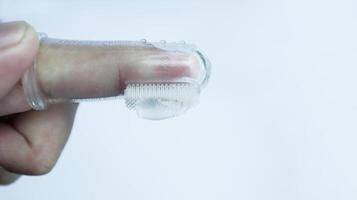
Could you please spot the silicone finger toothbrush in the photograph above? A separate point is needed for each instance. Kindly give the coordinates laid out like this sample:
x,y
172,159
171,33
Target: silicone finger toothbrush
x,y
158,80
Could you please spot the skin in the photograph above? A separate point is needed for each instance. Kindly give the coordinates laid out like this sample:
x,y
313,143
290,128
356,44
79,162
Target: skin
x,y
31,141
106,69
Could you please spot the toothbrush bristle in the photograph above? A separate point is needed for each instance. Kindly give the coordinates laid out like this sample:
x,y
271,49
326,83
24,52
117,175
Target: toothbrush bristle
x,y
178,92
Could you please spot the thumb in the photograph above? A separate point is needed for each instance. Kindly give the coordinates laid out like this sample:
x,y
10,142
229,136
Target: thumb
x,y
18,46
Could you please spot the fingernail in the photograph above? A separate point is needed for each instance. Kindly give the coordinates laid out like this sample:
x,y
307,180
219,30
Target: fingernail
x,y
11,33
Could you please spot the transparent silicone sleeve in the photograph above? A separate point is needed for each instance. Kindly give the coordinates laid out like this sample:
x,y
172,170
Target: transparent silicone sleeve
x,y
158,80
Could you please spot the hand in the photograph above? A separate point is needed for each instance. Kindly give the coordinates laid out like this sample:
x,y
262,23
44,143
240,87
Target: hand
x,y
30,141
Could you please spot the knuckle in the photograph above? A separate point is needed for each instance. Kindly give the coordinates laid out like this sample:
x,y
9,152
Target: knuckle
x,y
41,168
42,163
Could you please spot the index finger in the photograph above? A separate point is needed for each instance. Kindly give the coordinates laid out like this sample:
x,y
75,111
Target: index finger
x,y
87,70
65,70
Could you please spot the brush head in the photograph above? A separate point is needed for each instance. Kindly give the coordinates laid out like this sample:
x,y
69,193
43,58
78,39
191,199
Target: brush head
x,y
170,97
158,101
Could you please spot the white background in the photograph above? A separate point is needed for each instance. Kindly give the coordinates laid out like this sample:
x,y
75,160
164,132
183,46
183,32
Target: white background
x,y
277,121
